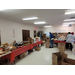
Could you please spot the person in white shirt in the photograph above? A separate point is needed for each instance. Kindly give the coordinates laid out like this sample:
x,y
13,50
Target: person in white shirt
x,y
69,40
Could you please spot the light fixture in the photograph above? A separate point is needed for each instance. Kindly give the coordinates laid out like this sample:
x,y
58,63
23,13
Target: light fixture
x,y
70,12
47,26
69,20
30,18
69,23
64,25
41,22
1,9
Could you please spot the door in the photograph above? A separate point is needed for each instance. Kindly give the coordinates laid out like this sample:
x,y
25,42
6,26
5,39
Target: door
x,y
34,33
25,34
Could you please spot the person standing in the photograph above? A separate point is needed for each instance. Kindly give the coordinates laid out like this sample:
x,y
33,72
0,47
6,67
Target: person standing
x,y
69,40
51,40
67,44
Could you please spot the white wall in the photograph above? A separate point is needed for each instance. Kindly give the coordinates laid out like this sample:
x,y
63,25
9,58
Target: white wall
x,y
6,28
60,28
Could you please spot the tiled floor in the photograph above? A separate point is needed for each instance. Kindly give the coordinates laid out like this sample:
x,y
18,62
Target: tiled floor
x,y
42,57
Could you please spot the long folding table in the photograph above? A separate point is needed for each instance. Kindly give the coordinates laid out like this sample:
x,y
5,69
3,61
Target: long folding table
x,y
57,41
19,51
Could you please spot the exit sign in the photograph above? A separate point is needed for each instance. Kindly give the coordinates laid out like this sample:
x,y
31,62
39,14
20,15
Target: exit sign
x,y
35,28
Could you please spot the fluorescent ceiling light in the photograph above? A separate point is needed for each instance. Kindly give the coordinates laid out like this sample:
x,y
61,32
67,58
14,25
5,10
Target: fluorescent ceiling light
x,y
69,20
42,22
64,25
71,12
69,23
47,26
31,18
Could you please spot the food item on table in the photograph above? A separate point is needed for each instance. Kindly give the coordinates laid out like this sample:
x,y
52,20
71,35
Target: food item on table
x,y
6,47
26,43
2,53
13,48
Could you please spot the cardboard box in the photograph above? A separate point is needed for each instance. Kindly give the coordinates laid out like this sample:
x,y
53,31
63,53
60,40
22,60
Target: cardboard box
x,y
44,35
43,39
24,54
42,44
5,43
5,46
61,44
61,47
21,55
58,57
7,50
31,41
13,48
37,48
68,61
47,44
37,38
47,37
48,40
2,53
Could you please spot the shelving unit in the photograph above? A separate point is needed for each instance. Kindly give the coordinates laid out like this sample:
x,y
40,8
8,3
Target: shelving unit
x,y
56,35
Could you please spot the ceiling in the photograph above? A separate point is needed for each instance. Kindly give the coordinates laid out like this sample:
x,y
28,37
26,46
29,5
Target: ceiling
x,y
51,16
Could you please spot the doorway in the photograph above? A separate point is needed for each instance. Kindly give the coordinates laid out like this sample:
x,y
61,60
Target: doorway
x,y
25,34
34,33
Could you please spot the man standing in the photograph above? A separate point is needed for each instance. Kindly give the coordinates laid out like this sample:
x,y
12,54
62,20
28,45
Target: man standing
x,y
69,40
51,40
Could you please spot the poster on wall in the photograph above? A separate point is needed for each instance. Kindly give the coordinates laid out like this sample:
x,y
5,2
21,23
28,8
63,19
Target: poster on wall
x,y
13,32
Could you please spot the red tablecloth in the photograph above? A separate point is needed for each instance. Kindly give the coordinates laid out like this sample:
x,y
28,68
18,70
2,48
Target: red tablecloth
x,y
21,50
37,43
57,41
